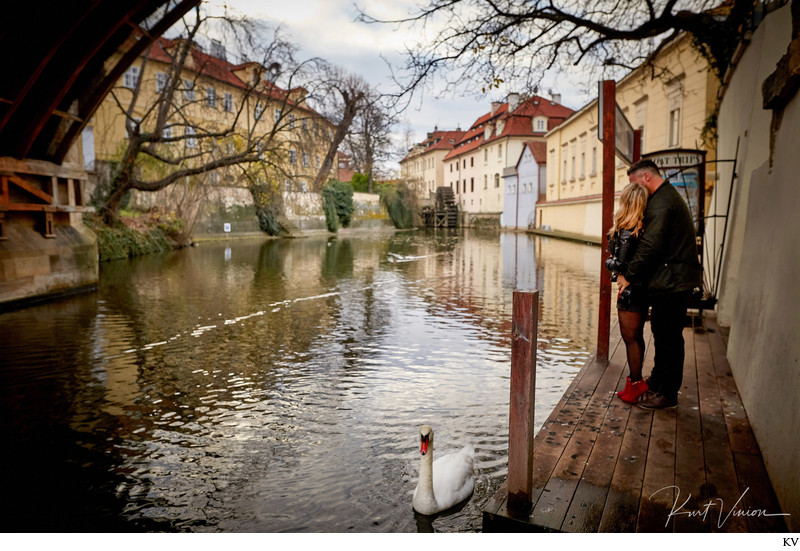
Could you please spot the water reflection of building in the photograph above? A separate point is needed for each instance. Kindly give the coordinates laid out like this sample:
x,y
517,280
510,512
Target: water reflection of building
x,y
476,278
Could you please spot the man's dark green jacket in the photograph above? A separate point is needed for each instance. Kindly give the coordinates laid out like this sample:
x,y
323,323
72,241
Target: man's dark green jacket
x,y
666,260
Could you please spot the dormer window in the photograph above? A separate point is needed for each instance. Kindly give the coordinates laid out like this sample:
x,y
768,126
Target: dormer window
x,y
540,124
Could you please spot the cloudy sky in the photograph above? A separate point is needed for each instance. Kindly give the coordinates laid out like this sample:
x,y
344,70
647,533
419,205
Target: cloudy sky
x,y
328,29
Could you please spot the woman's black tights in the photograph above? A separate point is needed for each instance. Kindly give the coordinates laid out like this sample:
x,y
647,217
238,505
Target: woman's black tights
x,y
631,325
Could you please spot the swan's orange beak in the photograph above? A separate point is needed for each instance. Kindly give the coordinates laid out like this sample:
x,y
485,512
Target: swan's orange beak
x,y
423,444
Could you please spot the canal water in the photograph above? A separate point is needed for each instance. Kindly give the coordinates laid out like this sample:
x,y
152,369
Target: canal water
x,y
278,385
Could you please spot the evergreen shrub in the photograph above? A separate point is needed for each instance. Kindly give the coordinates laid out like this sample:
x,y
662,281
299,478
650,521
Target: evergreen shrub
x,y
337,199
401,204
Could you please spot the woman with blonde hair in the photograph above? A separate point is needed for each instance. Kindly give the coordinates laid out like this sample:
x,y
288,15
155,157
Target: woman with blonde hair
x,y
623,238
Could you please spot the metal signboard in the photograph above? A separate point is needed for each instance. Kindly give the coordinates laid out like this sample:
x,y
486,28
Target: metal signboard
x,y
623,130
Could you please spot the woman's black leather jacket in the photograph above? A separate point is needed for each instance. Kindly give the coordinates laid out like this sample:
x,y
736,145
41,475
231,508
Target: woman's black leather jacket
x,y
622,247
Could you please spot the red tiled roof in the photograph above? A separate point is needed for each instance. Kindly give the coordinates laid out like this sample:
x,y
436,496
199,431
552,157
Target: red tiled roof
x,y
538,150
441,139
517,123
438,140
220,70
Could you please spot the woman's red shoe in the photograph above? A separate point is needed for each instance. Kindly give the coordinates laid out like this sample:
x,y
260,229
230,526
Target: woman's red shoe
x,y
636,390
627,388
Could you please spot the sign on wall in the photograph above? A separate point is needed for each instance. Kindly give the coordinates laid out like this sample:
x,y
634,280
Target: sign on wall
x,y
686,170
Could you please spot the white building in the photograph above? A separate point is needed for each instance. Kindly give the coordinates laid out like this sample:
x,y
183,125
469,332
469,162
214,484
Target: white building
x,y
524,184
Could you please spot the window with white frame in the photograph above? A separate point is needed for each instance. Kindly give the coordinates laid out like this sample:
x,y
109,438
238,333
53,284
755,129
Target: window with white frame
x,y
583,157
131,77
161,82
639,120
564,150
292,157
277,115
211,96
674,104
317,163
496,180
573,148
291,121
167,132
304,124
188,89
594,160
227,102
191,137
305,160
258,110
540,124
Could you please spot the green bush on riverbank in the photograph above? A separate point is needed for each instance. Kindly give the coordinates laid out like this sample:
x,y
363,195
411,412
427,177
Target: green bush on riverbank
x,y
337,203
134,237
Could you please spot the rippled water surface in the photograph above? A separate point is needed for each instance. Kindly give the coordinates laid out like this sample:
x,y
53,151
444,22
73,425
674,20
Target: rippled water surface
x,y
278,385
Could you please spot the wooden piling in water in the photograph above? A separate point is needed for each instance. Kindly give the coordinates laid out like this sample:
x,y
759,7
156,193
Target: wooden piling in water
x,y
524,331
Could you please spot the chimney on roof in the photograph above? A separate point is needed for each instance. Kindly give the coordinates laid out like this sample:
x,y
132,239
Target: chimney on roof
x,y
495,106
513,101
218,50
556,98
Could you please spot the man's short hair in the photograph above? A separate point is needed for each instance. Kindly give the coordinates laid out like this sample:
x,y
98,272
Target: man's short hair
x,y
644,164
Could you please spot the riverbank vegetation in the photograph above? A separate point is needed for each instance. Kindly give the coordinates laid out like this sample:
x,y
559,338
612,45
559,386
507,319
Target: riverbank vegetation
x,y
135,234
401,203
337,203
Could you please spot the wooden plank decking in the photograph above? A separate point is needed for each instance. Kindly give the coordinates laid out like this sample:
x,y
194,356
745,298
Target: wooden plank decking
x,y
601,465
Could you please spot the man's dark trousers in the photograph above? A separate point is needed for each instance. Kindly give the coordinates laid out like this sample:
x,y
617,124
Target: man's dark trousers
x,y
667,319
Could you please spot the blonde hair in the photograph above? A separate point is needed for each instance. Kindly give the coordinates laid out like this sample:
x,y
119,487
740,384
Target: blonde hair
x,y
631,209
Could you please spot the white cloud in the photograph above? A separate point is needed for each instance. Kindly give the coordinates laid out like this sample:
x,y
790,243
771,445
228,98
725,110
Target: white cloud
x,y
328,29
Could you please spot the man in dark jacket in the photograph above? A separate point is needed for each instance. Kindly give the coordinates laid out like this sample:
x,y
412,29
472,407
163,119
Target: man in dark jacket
x,y
666,262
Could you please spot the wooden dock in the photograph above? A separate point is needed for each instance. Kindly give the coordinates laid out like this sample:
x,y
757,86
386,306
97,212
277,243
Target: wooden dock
x,y
600,465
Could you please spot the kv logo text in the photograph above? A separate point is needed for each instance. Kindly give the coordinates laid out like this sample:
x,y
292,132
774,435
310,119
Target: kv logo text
x,y
790,542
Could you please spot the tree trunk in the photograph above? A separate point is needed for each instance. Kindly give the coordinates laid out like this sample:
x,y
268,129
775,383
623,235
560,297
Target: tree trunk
x,y
120,185
351,105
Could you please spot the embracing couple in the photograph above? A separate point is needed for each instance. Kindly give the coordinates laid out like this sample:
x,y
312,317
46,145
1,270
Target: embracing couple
x,y
654,262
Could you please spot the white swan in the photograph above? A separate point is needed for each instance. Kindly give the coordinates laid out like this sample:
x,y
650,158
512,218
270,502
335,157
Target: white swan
x,y
453,481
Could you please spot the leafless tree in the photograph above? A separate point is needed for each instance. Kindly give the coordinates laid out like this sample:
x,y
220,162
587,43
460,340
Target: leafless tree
x,y
487,42
345,96
167,143
369,140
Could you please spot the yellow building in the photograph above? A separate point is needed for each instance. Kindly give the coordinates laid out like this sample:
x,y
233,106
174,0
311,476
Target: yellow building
x,y
669,102
210,96
422,168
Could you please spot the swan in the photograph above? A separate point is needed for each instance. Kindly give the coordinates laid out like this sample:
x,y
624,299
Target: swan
x,y
453,482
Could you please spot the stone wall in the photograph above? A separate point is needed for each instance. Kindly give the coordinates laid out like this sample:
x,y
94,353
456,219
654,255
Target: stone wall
x,y
758,292
209,209
33,266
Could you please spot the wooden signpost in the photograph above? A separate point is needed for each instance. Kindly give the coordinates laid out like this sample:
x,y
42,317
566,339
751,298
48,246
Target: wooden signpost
x,y
524,331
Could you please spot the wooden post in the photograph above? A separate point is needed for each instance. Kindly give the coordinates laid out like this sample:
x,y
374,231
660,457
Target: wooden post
x,y
524,331
609,175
